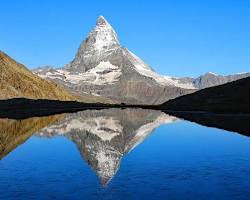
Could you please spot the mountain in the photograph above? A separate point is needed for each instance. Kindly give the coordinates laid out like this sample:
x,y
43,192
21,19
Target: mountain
x,y
102,67
207,80
230,97
210,79
103,137
17,81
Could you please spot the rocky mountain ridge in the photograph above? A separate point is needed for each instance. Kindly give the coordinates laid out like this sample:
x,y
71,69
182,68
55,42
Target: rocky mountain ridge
x,y
206,80
209,79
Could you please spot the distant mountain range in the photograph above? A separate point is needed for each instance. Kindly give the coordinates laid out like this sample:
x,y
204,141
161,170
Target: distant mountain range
x,y
208,80
103,68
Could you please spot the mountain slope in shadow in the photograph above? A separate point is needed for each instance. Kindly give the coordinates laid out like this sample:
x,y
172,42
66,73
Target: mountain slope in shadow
x,y
233,97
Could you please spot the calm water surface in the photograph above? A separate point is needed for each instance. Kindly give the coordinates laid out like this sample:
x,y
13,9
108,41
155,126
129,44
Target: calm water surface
x,y
121,154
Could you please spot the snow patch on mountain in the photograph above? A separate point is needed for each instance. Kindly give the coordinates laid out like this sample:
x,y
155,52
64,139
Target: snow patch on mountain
x,y
211,73
104,73
104,127
178,82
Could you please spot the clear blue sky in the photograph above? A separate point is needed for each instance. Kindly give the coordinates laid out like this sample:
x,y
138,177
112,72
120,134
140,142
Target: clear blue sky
x,y
178,38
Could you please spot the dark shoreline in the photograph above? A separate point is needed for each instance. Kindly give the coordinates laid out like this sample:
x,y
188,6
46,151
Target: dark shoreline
x,y
21,108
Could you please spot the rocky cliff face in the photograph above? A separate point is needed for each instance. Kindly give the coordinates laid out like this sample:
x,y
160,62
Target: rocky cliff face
x,y
103,67
103,137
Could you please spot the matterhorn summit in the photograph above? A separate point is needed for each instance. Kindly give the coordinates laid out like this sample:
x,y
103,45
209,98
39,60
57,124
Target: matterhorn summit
x,y
101,41
105,69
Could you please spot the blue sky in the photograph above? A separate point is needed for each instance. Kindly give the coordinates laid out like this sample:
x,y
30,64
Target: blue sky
x,y
177,38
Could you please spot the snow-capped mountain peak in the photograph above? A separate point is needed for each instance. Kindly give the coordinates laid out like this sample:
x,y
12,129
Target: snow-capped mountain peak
x,y
105,68
100,42
104,34
102,22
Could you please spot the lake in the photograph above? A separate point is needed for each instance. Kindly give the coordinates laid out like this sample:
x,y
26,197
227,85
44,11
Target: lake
x,y
125,154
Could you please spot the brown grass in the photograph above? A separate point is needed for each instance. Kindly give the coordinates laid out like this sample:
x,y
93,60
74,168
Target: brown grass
x,y
17,81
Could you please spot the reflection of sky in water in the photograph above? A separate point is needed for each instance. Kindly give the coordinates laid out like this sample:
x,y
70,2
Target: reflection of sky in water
x,y
179,160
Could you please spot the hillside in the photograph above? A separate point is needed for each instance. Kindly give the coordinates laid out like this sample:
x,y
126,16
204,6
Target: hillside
x,y
17,81
230,97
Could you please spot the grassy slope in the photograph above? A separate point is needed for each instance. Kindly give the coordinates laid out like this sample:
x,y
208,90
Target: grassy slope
x,y
230,97
17,81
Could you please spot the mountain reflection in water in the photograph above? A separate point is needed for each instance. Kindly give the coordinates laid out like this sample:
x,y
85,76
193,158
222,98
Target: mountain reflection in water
x,y
104,136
